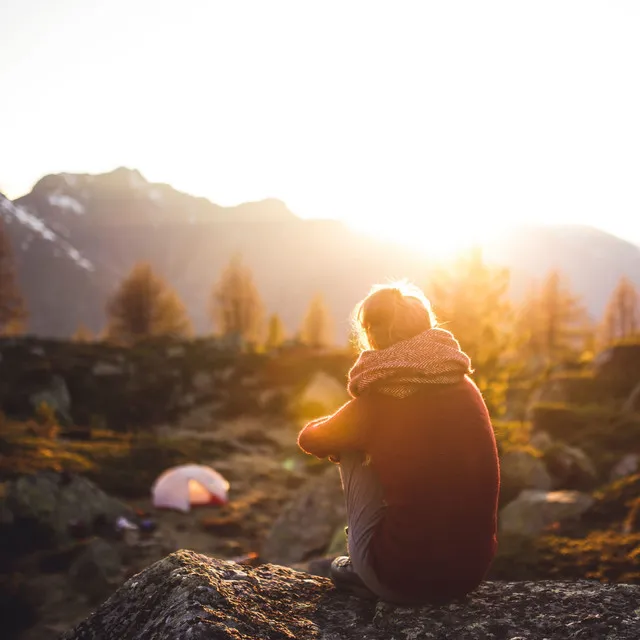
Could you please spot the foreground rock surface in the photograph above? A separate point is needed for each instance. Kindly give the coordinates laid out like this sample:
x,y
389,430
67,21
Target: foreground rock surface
x,y
187,595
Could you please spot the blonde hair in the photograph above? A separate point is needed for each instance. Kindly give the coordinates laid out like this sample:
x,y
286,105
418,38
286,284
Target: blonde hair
x,y
391,313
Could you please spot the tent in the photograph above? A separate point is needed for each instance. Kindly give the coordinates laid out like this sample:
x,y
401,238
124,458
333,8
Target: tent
x,y
189,485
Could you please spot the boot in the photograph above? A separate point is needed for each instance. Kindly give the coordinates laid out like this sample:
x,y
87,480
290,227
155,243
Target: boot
x,y
345,579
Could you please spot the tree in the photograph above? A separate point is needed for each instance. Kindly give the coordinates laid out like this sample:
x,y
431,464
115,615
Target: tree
x,y
12,309
236,306
553,323
145,306
317,327
275,332
82,334
622,316
470,298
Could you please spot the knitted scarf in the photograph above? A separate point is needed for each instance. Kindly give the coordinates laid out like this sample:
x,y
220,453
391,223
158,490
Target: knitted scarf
x,y
431,357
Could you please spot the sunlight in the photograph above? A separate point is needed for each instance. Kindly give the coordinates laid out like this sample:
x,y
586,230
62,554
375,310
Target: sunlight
x,y
439,238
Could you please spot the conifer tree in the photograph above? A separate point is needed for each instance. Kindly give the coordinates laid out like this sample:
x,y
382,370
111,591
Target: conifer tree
x,y
12,307
145,306
622,315
82,334
554,324
317,327
275,332
470,299
236,306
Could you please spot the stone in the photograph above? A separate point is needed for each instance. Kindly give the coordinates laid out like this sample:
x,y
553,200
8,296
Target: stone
x,y
541,441
56,396
202,382
187,595
521,469
51,502
534,511
570,467
307,524
626,466
107,369
96,572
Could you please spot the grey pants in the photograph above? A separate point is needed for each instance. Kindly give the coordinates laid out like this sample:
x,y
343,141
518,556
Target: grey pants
x,y
365,507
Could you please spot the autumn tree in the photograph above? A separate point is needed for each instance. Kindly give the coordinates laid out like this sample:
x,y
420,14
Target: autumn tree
x,y
470,299
553,323
145,306
275,332
12,307
622,315
236,306
317,327
82,334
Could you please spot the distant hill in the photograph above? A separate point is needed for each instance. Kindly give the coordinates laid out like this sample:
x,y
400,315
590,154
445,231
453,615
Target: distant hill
x,y
76,236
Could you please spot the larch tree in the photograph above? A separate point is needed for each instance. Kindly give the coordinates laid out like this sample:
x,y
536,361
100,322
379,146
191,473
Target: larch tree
x,y
83,334
470,299
275,332
236,306
12,308
145,306
553,323
317,326
622,315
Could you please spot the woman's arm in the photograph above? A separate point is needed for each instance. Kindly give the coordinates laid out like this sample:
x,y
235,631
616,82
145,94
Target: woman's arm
x,y
343,431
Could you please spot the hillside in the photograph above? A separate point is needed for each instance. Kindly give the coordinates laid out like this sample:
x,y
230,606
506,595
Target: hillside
x,y
76,236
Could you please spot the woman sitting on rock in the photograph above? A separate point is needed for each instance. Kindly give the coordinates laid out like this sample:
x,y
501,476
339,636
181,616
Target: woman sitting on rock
x,y
417,458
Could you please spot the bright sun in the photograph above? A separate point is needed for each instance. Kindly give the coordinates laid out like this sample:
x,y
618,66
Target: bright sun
x,y
439,238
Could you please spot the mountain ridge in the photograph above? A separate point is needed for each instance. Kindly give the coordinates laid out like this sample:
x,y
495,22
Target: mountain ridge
x,y
76,236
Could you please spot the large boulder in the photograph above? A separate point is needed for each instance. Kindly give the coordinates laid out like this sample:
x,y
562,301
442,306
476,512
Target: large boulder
x,y
570,467
522,469
534,511
187,595
617,369
50,505
307,524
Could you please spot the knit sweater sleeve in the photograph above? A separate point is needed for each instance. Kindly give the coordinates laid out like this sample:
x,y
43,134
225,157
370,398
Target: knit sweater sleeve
x,y
343,431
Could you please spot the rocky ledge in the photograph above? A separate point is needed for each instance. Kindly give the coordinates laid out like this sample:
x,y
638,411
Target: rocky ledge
x,y
187,595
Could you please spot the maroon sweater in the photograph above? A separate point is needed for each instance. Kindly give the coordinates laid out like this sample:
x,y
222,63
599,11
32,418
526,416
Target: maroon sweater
x,y
435,455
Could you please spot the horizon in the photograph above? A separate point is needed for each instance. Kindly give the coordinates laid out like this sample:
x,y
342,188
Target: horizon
x,y
430,126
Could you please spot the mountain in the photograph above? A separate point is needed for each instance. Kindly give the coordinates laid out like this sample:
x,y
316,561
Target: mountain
x,y
76,236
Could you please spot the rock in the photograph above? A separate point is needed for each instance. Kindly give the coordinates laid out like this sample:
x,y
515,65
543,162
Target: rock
x,y
56,396
617,369
541,441
187,595
176,351
47,503
96,571
627,466
306,525
520,469
202,382
107,369
570,467
323,394
533,511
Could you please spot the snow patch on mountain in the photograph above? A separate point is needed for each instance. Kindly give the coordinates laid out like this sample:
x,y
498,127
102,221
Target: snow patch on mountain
x,y
13,212
65,202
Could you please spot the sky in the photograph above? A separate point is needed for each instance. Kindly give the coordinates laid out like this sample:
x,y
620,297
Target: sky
x,y
427,122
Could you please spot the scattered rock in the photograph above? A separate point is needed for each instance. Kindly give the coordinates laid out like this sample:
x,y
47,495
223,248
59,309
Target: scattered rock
x,y
570,467
306,525
521,469
187,595
48,505
107,369
541,441
534,511
627,466
56,396
202,382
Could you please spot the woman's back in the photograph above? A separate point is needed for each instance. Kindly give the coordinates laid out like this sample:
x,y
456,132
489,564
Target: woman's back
x,y
435,455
